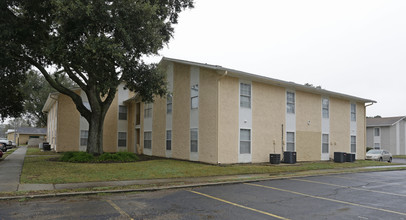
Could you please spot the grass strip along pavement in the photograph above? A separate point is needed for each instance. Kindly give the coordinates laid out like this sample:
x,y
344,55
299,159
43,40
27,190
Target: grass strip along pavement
x,y
48,170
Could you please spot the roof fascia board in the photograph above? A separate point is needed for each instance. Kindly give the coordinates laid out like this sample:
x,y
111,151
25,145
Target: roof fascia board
x,y
399,120
271,81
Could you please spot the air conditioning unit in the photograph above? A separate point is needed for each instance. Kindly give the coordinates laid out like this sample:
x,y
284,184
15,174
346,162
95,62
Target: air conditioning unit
x,y
289,157
340,157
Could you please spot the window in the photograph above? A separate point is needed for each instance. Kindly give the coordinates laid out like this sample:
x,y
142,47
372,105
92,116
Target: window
x,y
353,112
290,141
193,140
148,139
325,103
122,112
169,104
324,148
84,134
168,140
245,95
194,94
122,139
353,144
290,102
147,110
377,146
245,141
377,132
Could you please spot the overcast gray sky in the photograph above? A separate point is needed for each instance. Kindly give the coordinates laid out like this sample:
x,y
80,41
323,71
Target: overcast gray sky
x,y
353,47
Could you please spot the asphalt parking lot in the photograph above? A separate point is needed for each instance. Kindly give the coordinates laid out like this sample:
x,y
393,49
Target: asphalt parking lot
x,y
372,195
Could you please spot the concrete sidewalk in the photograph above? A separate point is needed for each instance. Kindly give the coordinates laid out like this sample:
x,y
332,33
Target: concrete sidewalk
x,y
10,170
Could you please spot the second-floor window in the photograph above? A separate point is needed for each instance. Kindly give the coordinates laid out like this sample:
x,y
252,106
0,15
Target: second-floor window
x,y
169,104
353,112
148,110
290,102
245,95
194,95
122,112
377,132
325,103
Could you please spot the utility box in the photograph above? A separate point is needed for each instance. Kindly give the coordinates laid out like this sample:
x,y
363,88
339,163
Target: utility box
x,y
350,157
289,157
46,146
340,157
275,158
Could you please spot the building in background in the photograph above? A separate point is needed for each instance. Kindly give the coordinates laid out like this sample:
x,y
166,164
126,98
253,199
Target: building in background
x,y
27,135
387,133
219,115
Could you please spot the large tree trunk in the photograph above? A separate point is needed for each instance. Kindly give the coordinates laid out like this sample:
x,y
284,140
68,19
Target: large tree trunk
x,y
95,138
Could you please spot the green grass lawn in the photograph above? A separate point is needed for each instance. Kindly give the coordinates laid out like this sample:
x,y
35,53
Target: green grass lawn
x,y
399,156
42,170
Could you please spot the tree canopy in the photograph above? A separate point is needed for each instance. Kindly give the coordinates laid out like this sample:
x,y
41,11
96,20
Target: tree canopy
x,y
98,44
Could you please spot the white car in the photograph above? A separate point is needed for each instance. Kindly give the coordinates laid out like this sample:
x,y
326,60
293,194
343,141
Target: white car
x,y
380,155
4,144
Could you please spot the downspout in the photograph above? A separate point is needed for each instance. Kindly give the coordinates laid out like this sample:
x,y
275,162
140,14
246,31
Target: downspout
x,y
218,113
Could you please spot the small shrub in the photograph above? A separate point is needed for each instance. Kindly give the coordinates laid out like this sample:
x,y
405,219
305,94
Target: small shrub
x,y
78,157
369,148
83,157
118,157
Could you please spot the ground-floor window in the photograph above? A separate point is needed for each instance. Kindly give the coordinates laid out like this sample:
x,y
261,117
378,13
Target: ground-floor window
x,y
353,144
377,146
290,141
84,134
193,140
168,140
148,139
325,141
122,139
245,141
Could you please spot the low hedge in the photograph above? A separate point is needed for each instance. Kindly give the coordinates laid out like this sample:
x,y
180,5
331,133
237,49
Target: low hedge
x,y
83,157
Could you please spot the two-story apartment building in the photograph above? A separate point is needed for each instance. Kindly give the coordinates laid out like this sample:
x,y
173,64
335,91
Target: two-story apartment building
x,y
388,133
219,115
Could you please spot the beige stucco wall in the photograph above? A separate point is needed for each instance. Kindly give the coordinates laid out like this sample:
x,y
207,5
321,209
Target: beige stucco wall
x,y
208,116
23,138
228,127
339,126
131,127
68,125
268,116
181,112
158,127
308,126
361,131
10,137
